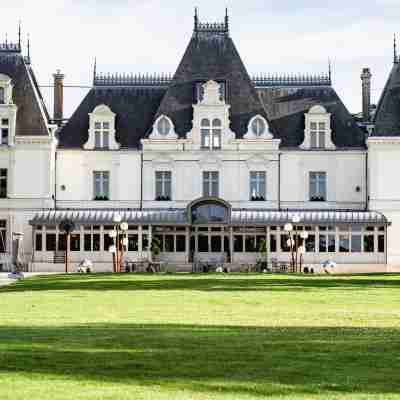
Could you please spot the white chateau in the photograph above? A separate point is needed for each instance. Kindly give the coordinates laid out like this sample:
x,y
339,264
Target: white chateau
x,y
209,161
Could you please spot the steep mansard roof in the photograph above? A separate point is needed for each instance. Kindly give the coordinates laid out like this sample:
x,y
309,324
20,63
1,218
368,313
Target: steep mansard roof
x,y
32,116
286,107
387,116
212,55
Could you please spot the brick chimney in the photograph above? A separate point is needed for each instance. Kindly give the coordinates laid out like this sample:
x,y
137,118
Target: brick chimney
x,y
58,97
366,93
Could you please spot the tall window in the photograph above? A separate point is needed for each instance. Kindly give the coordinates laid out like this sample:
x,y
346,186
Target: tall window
x,y
210,184
102,135
317,132
257,185
163,185
101,185
4,126
3,183
211,134
317,186
2,95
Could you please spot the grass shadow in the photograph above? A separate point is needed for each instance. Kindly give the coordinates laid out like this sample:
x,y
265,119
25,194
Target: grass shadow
x,y
256,361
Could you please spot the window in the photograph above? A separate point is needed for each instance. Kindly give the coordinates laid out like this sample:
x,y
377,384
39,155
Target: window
x,y
210,184
163,126
369,243
356,243
3,183
102,135
258,126
50,242
4,129
326,243
211,134
101,182
2,95
163,185
257,185
317,134
317,186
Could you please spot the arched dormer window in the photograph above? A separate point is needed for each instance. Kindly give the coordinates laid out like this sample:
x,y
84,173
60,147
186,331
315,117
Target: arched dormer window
x,y
163,128
317,132
101,129
8,111
258,128
211,134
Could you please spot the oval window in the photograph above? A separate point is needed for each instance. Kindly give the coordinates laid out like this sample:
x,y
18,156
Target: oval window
x,y
163,126
258,126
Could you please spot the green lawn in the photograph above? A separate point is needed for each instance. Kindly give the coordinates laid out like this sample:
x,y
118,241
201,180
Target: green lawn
x,y
200,337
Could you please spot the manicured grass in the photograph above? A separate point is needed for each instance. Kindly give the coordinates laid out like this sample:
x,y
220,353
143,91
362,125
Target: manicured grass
x,y
200,337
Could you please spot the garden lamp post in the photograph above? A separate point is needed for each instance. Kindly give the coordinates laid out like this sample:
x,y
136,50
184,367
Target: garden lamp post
x,y
304,236
288,228
302,250
295,221
66,226
119,228
112,250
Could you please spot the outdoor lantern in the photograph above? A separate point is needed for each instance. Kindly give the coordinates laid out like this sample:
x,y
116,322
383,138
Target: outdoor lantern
x,y
124,226
290,242
112,249
296,219
304,235
112,234
125,241
288,227
117,218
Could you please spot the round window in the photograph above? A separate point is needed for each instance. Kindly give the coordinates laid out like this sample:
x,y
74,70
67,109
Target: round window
x,y
258,126
163,126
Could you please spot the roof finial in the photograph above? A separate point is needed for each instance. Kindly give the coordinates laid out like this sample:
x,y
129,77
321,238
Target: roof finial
x,y
94,70
196,20
226,19
19,35
6,38
329,70
29,49
395,58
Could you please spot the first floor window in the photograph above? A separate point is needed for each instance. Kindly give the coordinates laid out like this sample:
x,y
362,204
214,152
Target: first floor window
x,y
4,129
317,186
3,183
257,185
210,184
101,181
163,185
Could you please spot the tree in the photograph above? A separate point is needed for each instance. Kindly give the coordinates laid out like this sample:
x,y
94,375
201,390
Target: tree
x,y
67,226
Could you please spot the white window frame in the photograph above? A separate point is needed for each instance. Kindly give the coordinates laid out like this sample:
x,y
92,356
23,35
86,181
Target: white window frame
x,y
213,132
102,114
317,137
102,176
165,179
210,178
321,185
259,178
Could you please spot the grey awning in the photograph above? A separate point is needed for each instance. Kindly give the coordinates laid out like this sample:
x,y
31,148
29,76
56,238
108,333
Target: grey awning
x,y
105,217
238,217
249,217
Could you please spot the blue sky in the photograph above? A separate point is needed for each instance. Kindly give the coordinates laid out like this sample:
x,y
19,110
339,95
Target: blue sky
x,y
286,36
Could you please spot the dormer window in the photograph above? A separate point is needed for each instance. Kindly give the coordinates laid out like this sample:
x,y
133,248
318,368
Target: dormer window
x,y
102,135
2,95
317,132
211,134
163,126
258,128
8,111
101,129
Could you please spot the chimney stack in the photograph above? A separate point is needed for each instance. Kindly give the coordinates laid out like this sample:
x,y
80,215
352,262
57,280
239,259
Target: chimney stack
x,y
366,93
58,97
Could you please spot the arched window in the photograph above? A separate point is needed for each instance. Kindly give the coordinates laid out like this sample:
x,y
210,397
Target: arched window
x,y
2,95
163,126
209,212
211,134
258,126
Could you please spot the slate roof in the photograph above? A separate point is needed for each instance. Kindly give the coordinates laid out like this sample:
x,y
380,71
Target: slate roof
x,y
285,108
211,54
134,107
387,116
32,116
